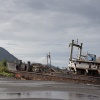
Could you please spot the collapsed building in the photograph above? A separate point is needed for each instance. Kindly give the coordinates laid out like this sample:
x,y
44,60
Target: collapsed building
x,y
34,67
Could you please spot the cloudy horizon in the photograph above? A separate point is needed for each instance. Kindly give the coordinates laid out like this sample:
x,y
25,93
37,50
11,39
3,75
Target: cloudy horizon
x,y
29,29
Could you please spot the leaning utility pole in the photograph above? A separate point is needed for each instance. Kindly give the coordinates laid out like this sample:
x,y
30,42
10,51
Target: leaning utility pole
x,y
49,59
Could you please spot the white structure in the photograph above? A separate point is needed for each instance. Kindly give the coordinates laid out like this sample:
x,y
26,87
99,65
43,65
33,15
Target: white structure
x,y
81,65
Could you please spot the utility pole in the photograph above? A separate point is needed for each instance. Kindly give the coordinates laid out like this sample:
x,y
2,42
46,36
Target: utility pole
x,y
49,59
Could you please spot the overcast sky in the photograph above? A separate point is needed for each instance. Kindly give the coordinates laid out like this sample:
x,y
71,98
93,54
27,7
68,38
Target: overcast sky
x,y
29,29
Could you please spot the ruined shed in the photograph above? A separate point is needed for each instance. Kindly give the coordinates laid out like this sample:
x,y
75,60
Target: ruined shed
x,y
16,66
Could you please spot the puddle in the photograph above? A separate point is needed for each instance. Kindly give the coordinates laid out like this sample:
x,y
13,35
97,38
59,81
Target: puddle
x,y
53,95
48,95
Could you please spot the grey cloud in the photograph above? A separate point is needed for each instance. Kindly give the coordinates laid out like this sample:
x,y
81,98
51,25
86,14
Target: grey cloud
x,y
12,44
41,26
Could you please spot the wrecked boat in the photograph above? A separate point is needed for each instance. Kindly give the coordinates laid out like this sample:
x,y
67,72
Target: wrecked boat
x,y
82,65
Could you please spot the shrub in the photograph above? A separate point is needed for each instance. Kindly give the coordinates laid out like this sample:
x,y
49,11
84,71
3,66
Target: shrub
x,y
4,70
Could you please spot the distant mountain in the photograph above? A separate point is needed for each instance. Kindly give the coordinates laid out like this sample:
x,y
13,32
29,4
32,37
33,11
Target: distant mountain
x,y
5,55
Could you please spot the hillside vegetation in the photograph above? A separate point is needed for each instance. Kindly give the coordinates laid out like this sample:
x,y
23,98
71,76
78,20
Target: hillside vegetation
x,y
4,70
